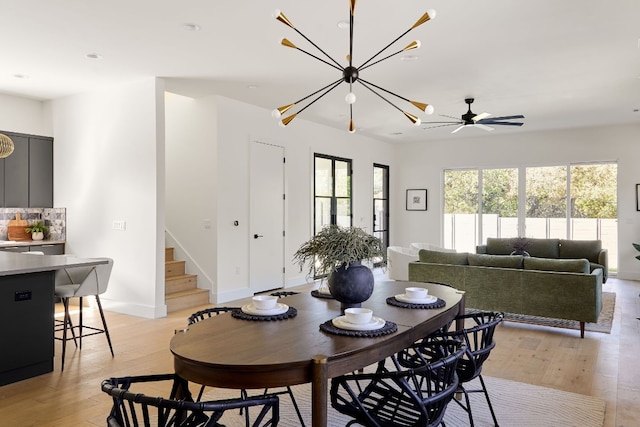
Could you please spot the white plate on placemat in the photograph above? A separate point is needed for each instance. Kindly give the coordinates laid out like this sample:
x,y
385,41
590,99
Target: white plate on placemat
x,y
403,298
342,323
252,309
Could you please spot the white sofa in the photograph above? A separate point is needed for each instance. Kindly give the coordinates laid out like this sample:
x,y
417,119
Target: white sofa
x,y
398,259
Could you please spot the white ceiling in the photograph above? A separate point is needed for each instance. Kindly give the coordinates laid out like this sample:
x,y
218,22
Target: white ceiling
x,y
561,64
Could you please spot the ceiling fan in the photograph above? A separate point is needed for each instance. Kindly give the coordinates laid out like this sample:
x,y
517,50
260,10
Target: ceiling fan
x,y
476,120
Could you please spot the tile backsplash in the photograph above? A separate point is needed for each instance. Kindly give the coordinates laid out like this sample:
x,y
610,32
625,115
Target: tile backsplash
x,y
54,218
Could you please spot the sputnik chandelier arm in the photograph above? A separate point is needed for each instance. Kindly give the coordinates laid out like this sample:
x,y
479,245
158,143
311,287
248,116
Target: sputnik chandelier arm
x,y
350,74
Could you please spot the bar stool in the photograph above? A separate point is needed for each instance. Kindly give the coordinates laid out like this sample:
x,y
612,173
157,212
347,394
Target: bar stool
x,y
80,282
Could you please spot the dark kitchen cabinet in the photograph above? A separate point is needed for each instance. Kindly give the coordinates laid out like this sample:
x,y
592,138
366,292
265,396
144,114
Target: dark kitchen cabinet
x,y
40,172
26,176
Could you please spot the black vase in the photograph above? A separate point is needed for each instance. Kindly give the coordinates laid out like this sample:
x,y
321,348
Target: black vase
x,y
351,285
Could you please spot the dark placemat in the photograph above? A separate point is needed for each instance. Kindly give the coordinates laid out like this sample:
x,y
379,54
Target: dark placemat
x,y
239,314
317,294
439,303
388,328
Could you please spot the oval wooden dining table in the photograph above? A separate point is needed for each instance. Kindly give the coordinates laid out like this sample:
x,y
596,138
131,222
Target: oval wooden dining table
x,y
229,352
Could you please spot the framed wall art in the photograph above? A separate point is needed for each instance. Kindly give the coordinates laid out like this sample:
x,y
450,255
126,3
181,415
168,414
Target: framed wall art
x,y
416,200
638,197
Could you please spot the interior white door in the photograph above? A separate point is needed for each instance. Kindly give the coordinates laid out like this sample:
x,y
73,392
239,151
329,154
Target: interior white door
x,y
267,217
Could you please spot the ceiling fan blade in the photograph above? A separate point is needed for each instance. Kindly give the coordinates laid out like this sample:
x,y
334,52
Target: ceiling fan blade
x,y
457,129
519,116
483,127
440,123
492,122
480,116
451,117
438,126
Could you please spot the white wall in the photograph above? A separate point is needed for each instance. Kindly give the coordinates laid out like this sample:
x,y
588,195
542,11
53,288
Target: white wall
x,y
191,183
423,164
23,115
109,165
225,174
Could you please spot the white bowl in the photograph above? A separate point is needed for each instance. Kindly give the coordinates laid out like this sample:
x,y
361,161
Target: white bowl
x,y
265,302
358,316
416,293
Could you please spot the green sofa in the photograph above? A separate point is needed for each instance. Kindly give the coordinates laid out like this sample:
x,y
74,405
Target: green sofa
x,y
554,248
556,288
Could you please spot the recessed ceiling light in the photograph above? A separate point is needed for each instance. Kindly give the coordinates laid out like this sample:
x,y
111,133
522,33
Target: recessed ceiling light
x,y
409,58
20,76
93,56
343,25
252,86
190,26
397,133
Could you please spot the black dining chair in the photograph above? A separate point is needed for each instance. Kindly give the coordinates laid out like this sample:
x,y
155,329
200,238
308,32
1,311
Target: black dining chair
x,y
214,311
409,389
133,406
478,335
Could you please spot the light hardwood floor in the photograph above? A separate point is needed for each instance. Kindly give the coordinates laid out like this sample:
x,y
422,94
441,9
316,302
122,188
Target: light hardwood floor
x,y
602,365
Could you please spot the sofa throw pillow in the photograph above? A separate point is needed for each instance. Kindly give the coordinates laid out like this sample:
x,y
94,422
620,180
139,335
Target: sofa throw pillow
x,y
502,261
436,257
561,265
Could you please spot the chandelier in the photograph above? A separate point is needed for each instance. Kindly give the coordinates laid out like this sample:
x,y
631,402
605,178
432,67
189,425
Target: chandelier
x,y
351,74
6,146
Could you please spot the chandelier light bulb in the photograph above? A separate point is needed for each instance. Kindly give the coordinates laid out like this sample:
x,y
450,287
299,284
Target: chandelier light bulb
x,y
275,113
282,125
431,12
350,98
276,13
418,122
429,109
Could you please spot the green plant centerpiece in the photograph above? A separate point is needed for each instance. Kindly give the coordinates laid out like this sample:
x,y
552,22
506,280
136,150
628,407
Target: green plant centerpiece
x,y
338,252
37,230
519,246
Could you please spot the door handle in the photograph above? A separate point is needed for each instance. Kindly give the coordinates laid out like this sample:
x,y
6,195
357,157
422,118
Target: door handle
x,y
255,236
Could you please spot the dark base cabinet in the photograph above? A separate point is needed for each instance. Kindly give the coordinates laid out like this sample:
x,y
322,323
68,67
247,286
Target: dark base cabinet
x,y
27,317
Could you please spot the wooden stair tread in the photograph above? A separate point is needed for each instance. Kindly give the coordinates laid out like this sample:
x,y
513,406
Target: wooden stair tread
x,y
187,292
179,277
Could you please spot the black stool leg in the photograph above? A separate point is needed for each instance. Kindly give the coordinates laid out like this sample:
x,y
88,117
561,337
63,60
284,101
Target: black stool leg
x,y
104,324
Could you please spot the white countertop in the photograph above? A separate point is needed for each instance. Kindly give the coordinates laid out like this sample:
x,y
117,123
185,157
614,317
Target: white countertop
x,y
20,263
30,242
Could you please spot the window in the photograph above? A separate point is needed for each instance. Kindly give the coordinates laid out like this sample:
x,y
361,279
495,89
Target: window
x,y
381,203
568,202
332,192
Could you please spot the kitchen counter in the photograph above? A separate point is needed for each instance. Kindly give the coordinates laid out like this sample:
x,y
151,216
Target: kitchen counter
x,y
30,242
21,263
27,283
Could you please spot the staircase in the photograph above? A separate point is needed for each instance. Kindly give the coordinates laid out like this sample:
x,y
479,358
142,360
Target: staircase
x,y
181,290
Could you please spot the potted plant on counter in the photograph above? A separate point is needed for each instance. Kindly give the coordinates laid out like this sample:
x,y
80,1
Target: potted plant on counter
x,y
338,252
37,230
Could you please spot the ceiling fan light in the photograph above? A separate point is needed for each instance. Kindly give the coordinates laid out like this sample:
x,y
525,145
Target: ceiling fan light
x,y
6,146
280,17
350,98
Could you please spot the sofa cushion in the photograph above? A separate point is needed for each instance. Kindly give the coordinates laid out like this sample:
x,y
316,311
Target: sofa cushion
x,y
503,261
562,265
437,257
542,248
589,249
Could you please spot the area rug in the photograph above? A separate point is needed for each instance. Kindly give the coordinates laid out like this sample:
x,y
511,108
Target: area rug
x,y
516,404
603,325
